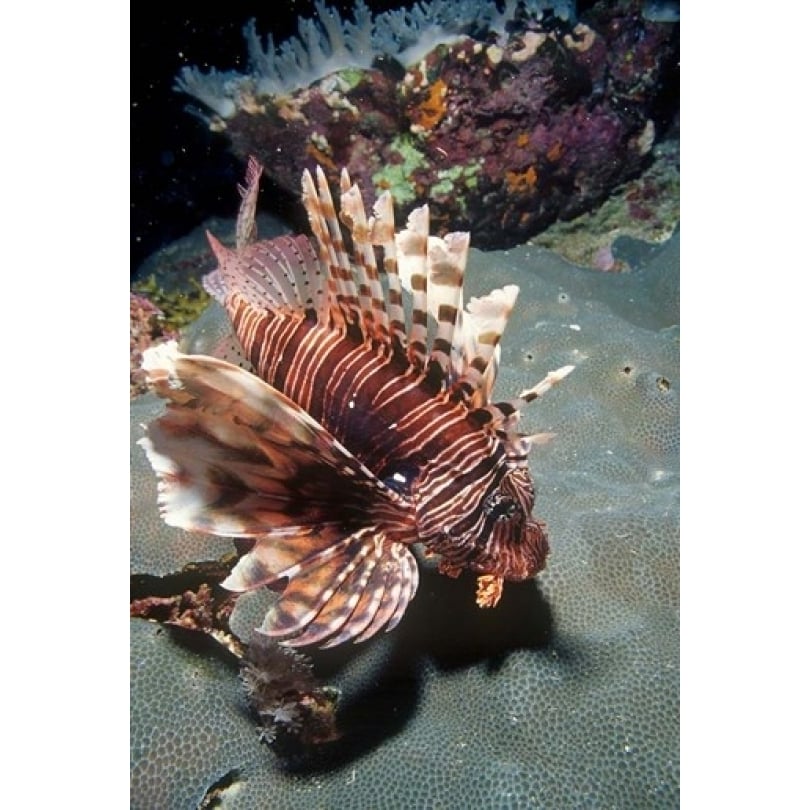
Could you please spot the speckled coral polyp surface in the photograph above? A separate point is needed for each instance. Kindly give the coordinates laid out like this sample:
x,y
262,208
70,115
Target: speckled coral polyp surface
x,y
564,696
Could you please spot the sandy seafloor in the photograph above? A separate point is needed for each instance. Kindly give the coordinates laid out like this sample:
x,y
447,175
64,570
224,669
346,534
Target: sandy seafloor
x,y
567,694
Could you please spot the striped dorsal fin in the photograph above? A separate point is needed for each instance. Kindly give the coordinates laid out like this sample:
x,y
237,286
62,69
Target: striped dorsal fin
x,y
464,354
369,288
344,303
484,322
447,260
346,293
412,264
283,273
382,234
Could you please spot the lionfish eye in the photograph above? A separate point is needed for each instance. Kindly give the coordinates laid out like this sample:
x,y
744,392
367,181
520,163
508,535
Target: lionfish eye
x,y
400,477
500,506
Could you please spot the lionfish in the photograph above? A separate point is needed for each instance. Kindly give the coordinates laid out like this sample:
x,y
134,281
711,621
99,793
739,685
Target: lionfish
x,y
349,441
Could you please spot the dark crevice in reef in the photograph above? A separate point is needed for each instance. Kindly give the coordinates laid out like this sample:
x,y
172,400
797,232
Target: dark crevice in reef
x,y
216,792
191,577
226,649
190,602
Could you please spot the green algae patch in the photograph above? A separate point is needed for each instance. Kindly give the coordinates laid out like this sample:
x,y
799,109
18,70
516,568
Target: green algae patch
x,y
179,307
396,177
457,179
351,77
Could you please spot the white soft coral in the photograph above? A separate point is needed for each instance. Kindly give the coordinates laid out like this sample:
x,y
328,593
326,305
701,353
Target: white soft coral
x,y
328,43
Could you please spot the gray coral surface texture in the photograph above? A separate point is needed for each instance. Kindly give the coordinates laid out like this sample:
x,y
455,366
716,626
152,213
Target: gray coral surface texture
x,y
564,696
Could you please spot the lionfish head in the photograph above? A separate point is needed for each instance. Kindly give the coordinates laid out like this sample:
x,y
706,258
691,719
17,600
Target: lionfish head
x,y
509,541
517,540
477,512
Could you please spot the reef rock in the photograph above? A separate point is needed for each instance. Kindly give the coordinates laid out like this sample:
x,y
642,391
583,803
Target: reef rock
x,y
566,694
533,119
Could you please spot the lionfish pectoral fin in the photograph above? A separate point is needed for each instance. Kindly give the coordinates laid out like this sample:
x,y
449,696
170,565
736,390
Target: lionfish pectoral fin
x,y
350,590
281,555
235,457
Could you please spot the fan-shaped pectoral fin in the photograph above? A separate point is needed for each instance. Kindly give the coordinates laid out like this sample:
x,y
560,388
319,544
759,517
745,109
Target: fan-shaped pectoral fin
x,y
235,457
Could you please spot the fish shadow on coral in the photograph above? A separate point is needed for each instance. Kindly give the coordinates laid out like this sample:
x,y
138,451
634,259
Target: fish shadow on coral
x,y
444,628
445,624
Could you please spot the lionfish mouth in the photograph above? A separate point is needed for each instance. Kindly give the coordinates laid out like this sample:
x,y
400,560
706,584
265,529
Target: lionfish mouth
x,y
346,431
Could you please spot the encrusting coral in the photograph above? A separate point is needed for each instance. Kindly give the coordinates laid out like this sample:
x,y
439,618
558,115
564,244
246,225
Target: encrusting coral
x,y
566,695
505,119
147,326
646,208
157,315
159,308
177,307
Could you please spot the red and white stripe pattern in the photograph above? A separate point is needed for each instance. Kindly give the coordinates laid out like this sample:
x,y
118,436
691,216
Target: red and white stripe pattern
x,y
357,436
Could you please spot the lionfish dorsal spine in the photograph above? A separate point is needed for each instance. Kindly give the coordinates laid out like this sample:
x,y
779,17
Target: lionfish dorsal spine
x,y
344,302
504,416
246,231
447,260
411,245
369,287
382,234
551,379
482,328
